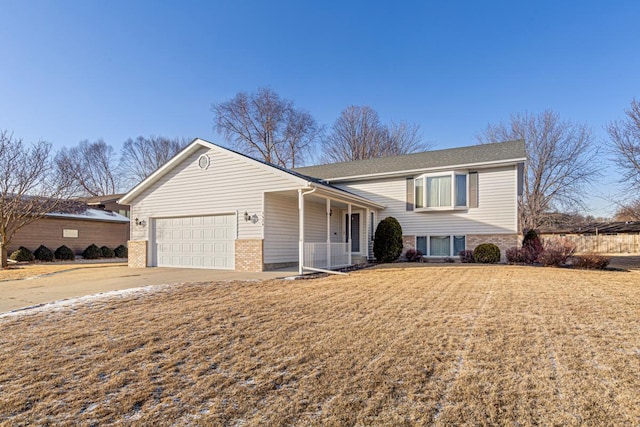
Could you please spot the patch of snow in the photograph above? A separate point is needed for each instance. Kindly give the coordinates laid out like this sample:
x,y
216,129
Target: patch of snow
x,y
96,214
72,302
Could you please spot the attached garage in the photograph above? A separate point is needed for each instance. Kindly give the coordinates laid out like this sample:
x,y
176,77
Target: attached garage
x,y
196,242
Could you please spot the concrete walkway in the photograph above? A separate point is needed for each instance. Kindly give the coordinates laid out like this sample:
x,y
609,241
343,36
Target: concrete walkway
x,y
15,294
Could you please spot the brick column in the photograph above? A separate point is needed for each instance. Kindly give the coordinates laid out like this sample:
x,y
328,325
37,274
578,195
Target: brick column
x,y
137,253
249,255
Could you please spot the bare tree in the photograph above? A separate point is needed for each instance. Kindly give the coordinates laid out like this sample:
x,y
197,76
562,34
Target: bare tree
x,y
267,126
625,143
92,166
561,160
30,186
142,156
359,134
628,211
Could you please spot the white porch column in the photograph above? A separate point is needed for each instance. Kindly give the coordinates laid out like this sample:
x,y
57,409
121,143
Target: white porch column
x,y
349,232
367,224
328,233
300,231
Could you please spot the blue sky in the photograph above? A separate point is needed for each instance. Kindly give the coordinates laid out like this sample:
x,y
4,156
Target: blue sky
x,y
73,70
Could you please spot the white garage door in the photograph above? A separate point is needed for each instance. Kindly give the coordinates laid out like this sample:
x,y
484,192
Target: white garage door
x,y
196,242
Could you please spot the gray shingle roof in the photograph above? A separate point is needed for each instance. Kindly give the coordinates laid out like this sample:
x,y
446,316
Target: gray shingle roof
x,y
483,153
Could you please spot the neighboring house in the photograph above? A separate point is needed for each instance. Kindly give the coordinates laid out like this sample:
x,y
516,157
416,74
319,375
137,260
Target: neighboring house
x,y
77,230
108,203
211,207
615,237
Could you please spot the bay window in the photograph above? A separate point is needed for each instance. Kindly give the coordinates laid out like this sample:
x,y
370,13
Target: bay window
x,y
441,191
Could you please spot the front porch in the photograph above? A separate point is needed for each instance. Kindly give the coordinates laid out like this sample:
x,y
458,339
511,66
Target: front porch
x,y
331,231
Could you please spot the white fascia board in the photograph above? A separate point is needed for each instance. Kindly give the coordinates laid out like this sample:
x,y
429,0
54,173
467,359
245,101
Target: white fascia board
x,y
187,151
481,165
346,196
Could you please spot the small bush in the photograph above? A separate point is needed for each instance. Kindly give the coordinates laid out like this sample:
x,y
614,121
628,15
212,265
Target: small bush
x,y
121,251
92,252
387,245
22,254
107,252
486,253
413,255
63,253
515,255
466,256
591,261
532,246
43,253
556,252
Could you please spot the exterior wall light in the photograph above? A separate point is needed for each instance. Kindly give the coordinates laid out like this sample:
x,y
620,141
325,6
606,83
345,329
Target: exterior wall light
x,y
141,222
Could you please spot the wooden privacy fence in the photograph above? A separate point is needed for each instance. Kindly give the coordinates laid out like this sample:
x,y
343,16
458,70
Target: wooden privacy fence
x,y
626,243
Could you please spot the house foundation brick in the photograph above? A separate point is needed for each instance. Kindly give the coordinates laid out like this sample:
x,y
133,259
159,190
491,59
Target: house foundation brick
x,y
137,253
408,242
249,255
502,241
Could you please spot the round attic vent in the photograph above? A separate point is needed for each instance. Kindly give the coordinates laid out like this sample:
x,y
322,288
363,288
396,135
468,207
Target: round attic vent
x,y
204,162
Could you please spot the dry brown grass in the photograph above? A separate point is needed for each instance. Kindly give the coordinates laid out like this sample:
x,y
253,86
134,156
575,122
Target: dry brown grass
x,y
28,271
448,345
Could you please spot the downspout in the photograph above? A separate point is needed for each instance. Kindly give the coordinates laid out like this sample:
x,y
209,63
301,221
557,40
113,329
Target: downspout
x,y
301,195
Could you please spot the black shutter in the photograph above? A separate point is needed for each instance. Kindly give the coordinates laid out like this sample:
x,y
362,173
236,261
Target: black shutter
x,y
410,194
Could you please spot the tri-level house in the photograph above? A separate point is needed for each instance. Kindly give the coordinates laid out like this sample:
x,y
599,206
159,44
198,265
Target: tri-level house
x,y
211,207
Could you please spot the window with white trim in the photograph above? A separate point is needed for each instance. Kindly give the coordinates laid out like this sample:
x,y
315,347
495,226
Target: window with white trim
x,y
441,245
441,191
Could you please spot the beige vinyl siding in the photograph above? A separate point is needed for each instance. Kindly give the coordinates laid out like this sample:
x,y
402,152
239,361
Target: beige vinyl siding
x,y
230,184
281,228
495,214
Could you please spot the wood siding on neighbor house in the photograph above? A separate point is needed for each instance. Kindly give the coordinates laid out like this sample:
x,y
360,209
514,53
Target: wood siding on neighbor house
x,y
495,214
49,232
229,185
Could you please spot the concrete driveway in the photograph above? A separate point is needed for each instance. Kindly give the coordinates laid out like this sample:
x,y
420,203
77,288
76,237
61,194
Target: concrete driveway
x,y
17,294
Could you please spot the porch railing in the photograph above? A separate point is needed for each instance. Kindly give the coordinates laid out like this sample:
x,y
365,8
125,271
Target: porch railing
x,y
315,255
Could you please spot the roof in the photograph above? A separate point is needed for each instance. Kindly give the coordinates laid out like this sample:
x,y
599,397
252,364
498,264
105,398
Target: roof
x,y
97,200
299,178
91,215
613,227
498,152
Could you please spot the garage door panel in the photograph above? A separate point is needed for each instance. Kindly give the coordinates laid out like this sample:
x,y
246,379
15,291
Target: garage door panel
x,y
198,242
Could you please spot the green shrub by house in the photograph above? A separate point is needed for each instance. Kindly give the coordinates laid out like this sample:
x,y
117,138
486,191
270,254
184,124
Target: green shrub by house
x,y
107,252
63,253
121,251
387,245
43,253
486,253
22,254
92,252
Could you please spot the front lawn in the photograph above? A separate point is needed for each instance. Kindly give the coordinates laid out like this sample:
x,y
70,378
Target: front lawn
x,y
445,345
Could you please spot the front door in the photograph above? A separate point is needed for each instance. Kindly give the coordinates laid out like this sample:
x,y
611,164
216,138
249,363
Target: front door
x,y
353,231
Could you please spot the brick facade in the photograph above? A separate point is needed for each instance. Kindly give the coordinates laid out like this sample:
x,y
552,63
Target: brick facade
x,y
503,241
249,255
408,242
137,253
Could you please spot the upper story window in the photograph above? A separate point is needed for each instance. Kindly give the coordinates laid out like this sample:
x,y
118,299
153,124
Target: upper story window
x,y
441,191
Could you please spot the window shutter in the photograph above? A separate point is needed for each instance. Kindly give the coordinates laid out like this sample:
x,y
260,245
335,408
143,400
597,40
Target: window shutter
x,y
520,179
473,189
410,194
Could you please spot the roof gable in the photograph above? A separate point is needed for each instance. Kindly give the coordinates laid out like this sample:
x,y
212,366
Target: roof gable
x,y
296,178
500,152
